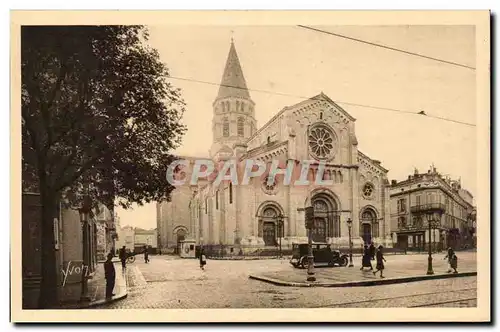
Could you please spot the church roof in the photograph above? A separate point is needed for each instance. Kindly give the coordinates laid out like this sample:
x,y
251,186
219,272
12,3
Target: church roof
x,y
233,82
320,96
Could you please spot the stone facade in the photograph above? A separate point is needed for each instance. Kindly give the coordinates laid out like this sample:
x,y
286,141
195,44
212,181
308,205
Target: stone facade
x,y
259,214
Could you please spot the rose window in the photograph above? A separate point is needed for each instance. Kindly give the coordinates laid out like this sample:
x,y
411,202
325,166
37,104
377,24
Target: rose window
x,y
368,190
321,142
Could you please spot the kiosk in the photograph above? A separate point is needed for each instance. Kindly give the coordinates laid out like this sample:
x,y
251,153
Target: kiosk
x,y
188,249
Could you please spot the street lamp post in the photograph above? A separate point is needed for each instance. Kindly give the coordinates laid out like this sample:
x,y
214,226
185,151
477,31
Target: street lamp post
x,y
429,259
310,257
280,231
349,226
433,218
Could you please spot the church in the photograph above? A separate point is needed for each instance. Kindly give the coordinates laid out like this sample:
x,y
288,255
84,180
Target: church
x,y
262,215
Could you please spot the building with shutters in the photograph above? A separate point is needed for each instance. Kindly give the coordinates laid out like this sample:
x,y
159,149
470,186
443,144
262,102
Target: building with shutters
x,y
409,199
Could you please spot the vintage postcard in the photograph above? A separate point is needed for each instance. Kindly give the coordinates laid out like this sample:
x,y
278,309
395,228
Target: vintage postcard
x,y
292,164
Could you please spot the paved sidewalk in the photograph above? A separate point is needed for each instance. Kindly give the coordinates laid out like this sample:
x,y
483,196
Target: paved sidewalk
x,y
97,289
402,271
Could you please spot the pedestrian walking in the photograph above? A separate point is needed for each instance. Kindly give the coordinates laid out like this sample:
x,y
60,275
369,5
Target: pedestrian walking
x,y
452,260
380,262
109,275
372,251
366,259
203,259
146,254
123,257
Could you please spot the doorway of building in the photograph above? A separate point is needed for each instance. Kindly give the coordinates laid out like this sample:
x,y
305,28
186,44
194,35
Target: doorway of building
x,y
366,231
181,236
319,230
402,241
269,233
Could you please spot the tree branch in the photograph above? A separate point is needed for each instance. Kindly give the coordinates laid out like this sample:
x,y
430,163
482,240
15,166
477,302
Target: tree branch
x,y
86,166
62,75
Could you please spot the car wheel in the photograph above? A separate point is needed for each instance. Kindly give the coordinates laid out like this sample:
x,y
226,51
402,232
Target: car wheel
x,y
304,262
343,261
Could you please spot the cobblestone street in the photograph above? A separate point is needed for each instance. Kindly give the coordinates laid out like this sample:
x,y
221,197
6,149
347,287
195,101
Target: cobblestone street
x,y
169,282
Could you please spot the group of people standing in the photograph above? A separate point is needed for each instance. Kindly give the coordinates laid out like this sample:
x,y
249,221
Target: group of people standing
x,y
371,253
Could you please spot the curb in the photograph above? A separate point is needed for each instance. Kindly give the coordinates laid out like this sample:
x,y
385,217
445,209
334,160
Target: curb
x,y
363,283
242,259
102,302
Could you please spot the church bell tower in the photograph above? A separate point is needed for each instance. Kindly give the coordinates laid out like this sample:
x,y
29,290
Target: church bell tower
x,y
233,110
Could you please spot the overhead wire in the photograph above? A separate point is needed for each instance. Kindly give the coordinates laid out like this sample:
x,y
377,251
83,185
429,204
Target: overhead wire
x,y
336,101
386,47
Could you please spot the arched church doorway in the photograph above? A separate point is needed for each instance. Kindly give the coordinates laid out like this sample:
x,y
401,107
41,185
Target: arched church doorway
x,y
269,233
270,220
180,236
366,232
368,225
326,217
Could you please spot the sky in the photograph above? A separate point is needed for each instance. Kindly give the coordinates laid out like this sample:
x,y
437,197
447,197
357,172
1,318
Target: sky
x,y
301,63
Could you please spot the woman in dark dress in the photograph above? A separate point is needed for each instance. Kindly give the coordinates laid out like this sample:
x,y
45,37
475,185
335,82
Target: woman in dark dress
x,y
366,260
452,260
380,262
203,259
372,251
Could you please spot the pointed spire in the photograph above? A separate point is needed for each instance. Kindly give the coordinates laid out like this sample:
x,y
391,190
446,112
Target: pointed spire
x,y
233,82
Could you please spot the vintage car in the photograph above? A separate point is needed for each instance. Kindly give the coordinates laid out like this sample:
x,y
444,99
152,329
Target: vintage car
x,y
322,252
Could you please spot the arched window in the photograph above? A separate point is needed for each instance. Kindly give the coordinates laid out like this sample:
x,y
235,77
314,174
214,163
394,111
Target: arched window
x,y
241,127
223,107
321,115
242,107
237,106
228,106
225,128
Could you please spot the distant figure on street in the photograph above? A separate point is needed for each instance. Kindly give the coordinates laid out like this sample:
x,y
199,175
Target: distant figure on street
x,y
452,260
366,260
146,254
203,259
372,251
380,262
109,275
123,256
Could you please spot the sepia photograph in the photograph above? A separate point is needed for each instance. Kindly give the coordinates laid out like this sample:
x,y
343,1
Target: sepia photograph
x,y
301,163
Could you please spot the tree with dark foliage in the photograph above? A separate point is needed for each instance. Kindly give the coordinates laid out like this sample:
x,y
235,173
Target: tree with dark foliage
x,y
99,120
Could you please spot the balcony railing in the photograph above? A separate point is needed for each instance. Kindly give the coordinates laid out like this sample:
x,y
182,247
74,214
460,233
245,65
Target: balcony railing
x,y
425,208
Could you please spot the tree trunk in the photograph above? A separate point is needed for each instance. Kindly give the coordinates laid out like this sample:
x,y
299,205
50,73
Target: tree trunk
x,y
48,287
